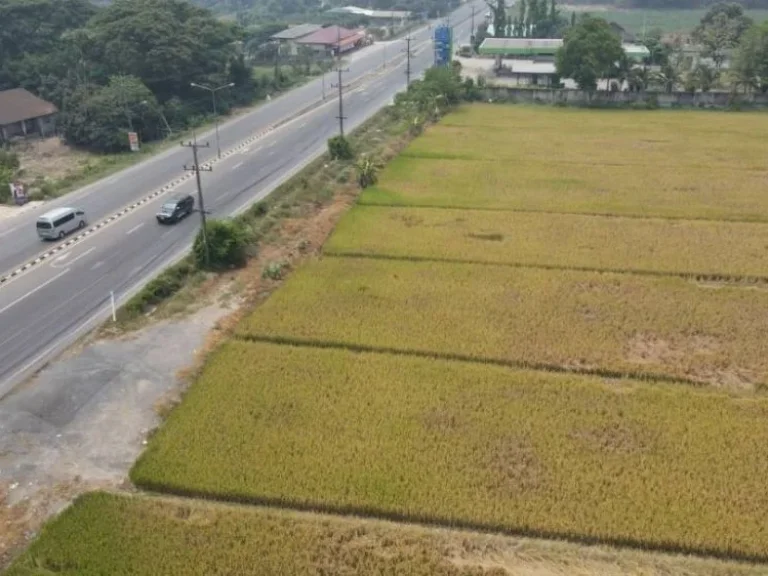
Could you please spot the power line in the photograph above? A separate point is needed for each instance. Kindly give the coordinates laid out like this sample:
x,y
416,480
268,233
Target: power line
x,y
196,168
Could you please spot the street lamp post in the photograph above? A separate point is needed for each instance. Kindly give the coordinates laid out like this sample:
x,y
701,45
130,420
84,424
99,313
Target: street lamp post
x,y
160,113
215,116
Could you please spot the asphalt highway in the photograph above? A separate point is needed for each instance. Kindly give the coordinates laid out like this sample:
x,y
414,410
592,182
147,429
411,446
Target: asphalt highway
x,y
46,308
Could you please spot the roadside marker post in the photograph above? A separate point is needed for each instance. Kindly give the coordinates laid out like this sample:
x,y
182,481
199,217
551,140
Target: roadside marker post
x,y
114,311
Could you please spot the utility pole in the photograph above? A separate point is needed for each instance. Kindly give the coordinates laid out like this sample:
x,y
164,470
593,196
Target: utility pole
x,y
472,29
408,55
215,115
340,84
196,168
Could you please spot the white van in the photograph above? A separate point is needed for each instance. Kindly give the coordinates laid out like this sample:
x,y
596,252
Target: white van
x,y
59,222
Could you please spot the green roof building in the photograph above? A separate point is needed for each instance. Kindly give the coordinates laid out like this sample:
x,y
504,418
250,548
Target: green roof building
x,y
542,48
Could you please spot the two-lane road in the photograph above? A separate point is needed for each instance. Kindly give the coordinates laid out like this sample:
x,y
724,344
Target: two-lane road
x,y
45,309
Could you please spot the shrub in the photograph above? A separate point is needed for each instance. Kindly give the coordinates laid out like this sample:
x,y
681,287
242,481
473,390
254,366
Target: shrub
x,y
274,270
339,148
227,244
9,159
367,172
170,281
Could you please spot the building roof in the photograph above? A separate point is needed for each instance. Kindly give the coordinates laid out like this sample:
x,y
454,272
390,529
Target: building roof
x,y
531,67
520,46
636,50
296,32
327,36
384,14
542,46
18,104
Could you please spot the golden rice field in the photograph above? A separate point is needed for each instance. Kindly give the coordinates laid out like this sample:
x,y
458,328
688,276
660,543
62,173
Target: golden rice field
x,y
470,444
602,322
504,239
708,249
666,139
551,185
109,535
105,534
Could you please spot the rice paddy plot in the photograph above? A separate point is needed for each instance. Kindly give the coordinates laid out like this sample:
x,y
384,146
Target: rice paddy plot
x,y
470,444
658,139
555,240
118,535
600,322
106,534
551,186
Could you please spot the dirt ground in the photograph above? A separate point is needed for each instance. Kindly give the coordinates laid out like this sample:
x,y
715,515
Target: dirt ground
x,y
49,158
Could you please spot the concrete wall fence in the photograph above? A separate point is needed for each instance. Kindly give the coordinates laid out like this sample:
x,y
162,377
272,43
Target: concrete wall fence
x,y
566,97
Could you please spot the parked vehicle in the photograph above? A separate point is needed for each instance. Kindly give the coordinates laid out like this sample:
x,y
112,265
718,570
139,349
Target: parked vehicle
x,y
59,222
176,208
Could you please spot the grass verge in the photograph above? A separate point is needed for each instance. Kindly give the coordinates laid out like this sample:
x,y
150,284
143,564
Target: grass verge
x,y
470,445
693,248
600,323
168,537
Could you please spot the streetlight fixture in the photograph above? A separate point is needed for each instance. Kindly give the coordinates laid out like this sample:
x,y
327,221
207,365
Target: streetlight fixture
x,y
215,116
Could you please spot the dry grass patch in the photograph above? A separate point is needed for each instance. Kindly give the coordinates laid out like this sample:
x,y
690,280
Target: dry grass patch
x,y
470,444
561,240
580,320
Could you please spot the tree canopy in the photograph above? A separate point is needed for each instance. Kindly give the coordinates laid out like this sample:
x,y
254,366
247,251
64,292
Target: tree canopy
x,y
749,69
720,30
166,43
122,66
590,51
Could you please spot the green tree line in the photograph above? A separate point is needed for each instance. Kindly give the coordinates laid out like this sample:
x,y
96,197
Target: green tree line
x,y
668,4
592,51
125,66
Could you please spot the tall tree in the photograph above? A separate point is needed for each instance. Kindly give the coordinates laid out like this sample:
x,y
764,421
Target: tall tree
x,y
166,43
499,16
31,34
720,30
590,52
100,120
749,70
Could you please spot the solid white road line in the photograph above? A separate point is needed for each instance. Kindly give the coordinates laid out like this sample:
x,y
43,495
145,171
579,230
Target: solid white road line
x,y
28,294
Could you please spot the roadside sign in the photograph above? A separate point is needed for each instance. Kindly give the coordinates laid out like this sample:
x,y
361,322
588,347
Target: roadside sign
x,y
133,141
